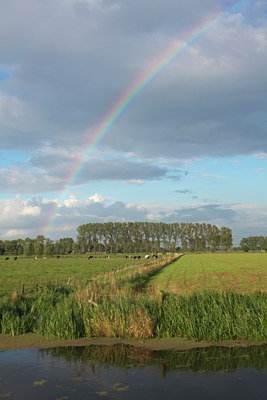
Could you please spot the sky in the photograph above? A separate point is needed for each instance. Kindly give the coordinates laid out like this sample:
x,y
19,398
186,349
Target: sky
x,y
190,147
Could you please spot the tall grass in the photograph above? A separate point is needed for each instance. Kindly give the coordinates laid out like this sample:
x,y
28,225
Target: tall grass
x,y
212,316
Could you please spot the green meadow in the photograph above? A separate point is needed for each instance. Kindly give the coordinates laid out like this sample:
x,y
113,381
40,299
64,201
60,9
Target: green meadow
x,y
67,269
240,273
210,297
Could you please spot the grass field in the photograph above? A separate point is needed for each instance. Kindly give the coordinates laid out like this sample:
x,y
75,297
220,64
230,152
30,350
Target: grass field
x,y
241,273
121,298
78,268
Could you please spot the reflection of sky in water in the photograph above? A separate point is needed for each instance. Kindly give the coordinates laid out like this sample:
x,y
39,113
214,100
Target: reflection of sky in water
x,y
33,374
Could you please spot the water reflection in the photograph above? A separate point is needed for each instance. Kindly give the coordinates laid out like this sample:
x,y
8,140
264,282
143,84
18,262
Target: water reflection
x,y
122,371
209,359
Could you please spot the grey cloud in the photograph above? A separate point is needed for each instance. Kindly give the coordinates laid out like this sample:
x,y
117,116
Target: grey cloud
x,y
183,191
72,61
97,168
211,213
175,178
50,173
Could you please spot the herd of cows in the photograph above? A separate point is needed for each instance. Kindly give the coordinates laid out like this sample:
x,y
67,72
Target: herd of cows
x,y
131,257
90,257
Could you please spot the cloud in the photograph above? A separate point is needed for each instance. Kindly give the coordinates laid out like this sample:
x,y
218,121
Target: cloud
x,y
135,182
22,218
22,180
72,61
51,172
234,161
183,191
214,176
261,156
85,54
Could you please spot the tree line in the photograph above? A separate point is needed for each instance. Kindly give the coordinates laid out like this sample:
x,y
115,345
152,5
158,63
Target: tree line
x,y
40,246
134,237
127,237
254,243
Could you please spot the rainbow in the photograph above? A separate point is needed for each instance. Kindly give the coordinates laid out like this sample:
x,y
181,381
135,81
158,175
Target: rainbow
x,y
126,99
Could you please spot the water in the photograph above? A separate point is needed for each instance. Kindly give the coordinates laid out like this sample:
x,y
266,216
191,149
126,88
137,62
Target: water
x,y
126,372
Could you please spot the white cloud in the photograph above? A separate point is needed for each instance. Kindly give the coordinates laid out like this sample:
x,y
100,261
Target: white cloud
x,y
15,233
97,198
72,201
234,161
28,210
135,182
261,156
214,176
21,218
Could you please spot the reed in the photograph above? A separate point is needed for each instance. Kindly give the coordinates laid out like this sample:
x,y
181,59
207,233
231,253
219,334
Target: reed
x,y
212,316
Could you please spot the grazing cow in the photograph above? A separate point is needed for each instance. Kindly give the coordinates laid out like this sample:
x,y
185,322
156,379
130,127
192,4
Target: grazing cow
x,y
130,257
35,258
7,258
107,257
135,257
155,256
90,257
44,258
57,257
139,257
15,258
126,257
147,256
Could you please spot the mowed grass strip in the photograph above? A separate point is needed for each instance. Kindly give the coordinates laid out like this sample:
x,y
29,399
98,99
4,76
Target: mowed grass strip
x,y
78,268
241,273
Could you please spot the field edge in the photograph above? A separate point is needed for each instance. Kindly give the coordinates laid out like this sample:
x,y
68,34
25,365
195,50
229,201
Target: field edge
x,y
32,340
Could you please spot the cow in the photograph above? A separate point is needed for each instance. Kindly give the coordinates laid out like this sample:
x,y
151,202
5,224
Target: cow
x,y
107,257
57,257
126,257
7,258
35,257
90,257
15,258
147,256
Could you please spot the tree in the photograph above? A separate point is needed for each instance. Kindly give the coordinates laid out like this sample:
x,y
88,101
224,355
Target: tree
x,y
39,245
48,247
28,247
2,247
214,238
226,238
